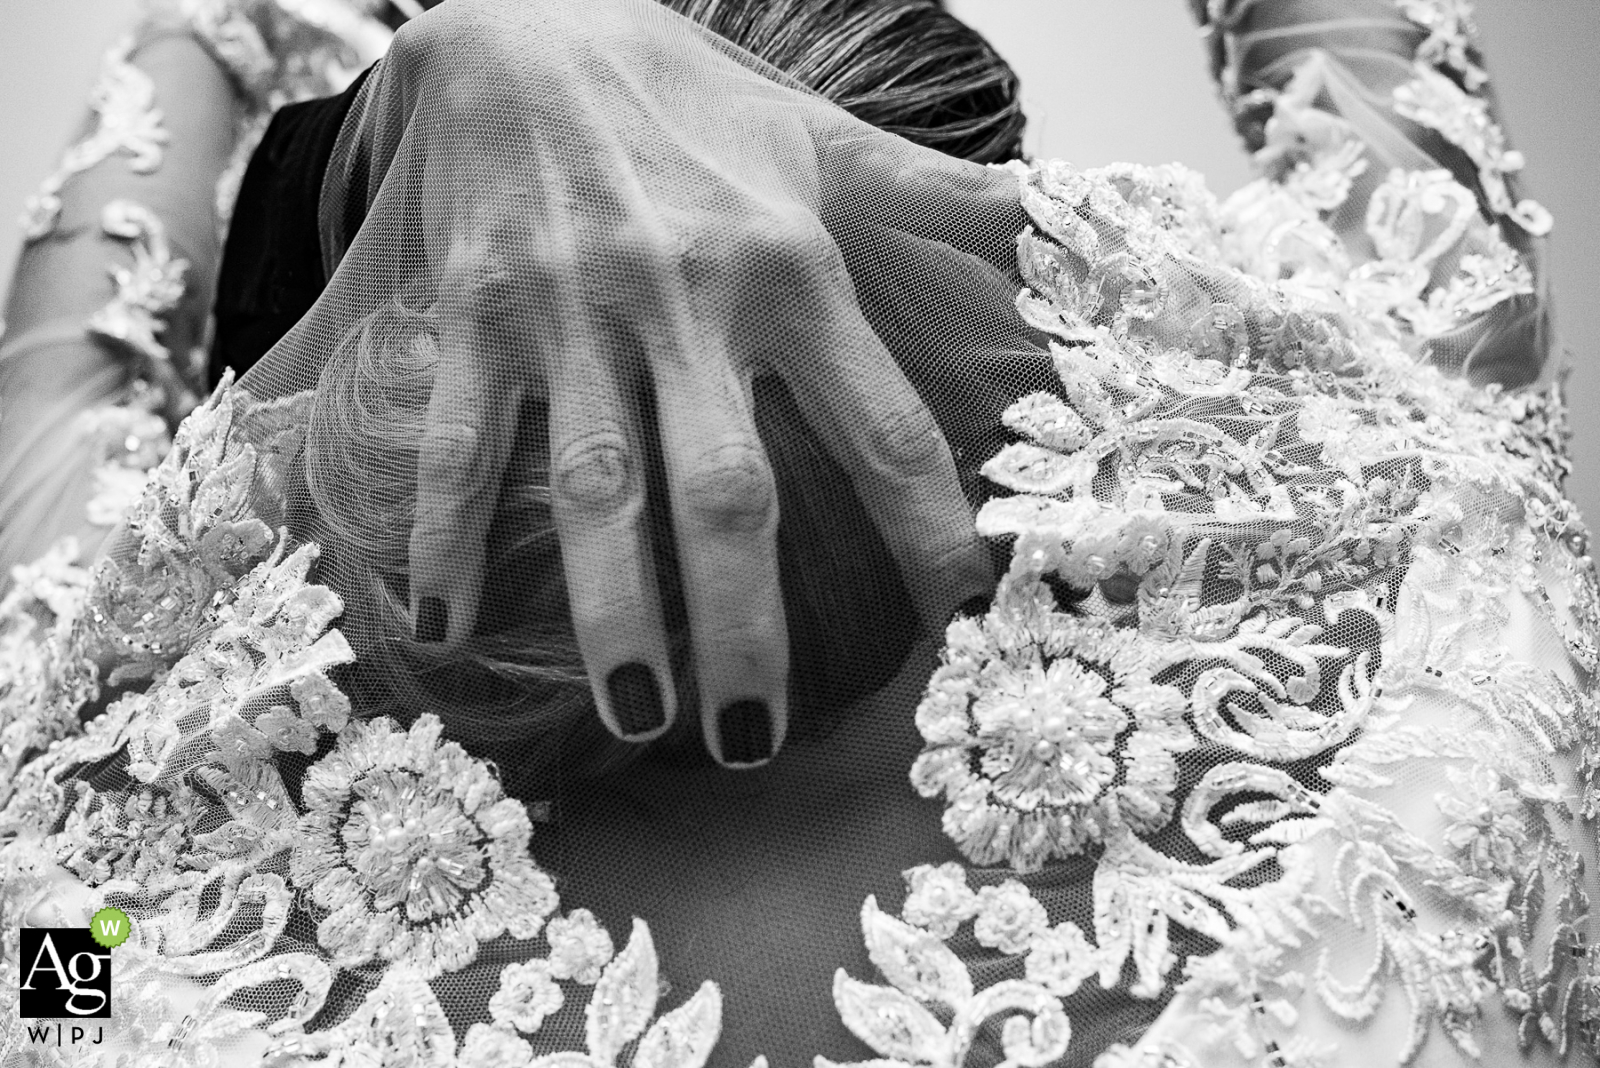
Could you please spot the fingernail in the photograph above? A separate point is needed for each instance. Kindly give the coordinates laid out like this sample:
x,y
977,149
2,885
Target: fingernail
x,y
746,731
433,619
1121,588
635,699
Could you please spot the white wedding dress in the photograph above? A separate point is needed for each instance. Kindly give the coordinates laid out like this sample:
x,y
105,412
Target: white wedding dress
x,y
1291,673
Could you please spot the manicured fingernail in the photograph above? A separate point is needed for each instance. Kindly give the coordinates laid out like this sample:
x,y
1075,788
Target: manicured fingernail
x,y
972,606
746,731
1121,588
433,619
635,699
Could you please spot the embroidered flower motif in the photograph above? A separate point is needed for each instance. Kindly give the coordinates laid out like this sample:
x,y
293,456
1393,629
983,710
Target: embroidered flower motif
x,y
1451,34
1008,917
1028,730
1060,958
321,702
1129,494
228,550
1486,821
412,850
409,848
938,898
579,947
155,590
140,839
147,292
1053,731
1322,420
622,1009
1435,101
497,1046
526,996
268,633
238,743
1047,731
287,731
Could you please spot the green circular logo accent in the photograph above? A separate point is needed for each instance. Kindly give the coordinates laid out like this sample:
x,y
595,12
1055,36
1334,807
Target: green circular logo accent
x,y
110,927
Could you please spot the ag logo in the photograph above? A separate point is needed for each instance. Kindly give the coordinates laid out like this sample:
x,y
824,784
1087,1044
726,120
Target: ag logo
x,y
65,972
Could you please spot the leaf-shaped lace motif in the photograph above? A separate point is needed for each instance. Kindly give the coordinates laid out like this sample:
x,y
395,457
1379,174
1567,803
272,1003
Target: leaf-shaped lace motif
x,y
625,997
683,1038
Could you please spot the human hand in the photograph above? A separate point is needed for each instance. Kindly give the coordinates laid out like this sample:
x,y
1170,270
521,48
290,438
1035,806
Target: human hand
x,y
613,214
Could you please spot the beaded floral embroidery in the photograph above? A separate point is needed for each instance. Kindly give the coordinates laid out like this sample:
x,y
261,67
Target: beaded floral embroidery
x,y
412,852
399,845
1340,542
146,292
897,1020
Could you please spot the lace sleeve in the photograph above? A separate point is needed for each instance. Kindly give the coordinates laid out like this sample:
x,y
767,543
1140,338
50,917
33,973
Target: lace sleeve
x,y
1335,98
276,52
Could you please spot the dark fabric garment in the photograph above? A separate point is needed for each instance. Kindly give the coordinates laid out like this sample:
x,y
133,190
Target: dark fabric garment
x,y
272,262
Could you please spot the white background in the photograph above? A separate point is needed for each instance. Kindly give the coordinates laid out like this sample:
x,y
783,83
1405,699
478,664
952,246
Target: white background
x,y
1104,80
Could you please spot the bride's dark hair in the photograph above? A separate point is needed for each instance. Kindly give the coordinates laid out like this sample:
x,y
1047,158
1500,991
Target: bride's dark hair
x,y
905,64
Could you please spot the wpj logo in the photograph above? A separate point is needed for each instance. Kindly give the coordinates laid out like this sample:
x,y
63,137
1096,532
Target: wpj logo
x,y
66,971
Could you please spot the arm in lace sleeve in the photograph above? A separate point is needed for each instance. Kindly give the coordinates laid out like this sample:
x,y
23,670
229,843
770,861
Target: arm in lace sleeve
x,y
115,281
1347,104
96,370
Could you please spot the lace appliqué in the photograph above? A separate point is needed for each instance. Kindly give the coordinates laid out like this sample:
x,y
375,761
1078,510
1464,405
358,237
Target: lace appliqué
x,y
401,1021
1208,572
207,518
1408,206
398,846
45,676
1436,102
126,121
147,292
897,1020
926,976
127,441
411,852
279,51
1452,38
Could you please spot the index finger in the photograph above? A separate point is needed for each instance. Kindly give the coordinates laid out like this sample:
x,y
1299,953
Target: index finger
x,y
466,439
